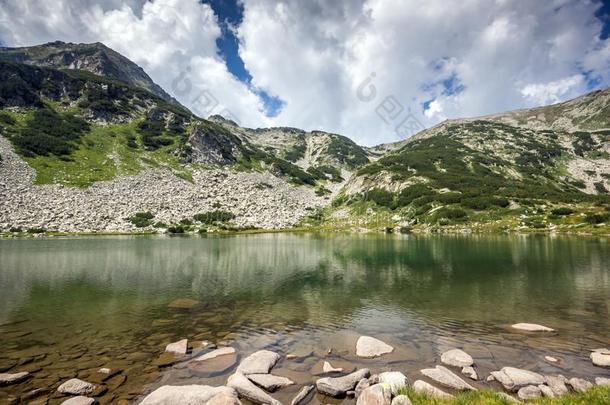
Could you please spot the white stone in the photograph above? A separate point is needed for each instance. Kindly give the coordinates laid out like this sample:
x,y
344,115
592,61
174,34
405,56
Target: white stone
x,y
270,382
187,395
532,327
338,386
457,358
246,389
557,384
179,347
223,351
80,400
328,368
470,372
75,386
375,395
394,379
369,347
514,378
579,385
8,378
443,376
551,359
302,394
546,391
260,362
401,400
601,357
424,388
602,381
529,392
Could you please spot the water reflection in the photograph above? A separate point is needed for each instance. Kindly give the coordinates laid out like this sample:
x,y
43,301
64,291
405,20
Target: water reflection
x,y
423,294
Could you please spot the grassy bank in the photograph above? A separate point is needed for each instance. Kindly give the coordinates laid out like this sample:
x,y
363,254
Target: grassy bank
x,y
599,395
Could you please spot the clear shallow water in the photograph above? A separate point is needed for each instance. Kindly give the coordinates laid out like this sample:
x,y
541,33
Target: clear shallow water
x,y
70,306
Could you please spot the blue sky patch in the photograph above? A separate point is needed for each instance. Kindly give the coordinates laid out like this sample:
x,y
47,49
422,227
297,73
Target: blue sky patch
x,y
230,14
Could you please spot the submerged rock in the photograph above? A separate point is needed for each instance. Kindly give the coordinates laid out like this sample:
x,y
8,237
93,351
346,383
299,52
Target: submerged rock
x,y
191,394
246,389
424,388
457,358
532,327
223,351
601,357
579,384
213,363
443,376
80,400
551,359
337,387
260,362
75,386
514,378
470,372
179,347
369,347
13,378
270,382
183,303
376,394
529,392
302,394
394,379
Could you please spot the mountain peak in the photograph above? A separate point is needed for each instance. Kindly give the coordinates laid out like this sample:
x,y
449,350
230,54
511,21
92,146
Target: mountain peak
x,y
94,57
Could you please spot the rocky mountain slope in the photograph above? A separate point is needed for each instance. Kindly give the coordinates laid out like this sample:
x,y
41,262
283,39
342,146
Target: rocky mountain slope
x,y
486,167
95,58
90,143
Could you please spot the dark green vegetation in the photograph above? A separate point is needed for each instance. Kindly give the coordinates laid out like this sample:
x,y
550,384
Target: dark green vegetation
x,y
212,217
141,219
480,167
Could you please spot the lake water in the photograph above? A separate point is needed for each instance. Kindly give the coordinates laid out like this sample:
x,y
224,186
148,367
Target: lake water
x,y
70,306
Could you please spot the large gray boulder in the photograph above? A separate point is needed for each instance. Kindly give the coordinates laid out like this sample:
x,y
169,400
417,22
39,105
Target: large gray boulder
x,y
337,387
369,347
457,358
191,395
75,386
423,387
394,379
515,378
445,377
270,382
376,394
260,362
14,378
246,389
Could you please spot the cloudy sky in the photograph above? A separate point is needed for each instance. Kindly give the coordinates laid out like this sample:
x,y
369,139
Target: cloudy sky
x,y
374,70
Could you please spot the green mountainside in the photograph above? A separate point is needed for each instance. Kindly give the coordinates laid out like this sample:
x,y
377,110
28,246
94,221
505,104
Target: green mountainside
x,y
82,113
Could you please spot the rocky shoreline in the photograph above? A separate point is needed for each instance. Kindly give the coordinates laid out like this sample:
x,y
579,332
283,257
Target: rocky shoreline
x,y
253,380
